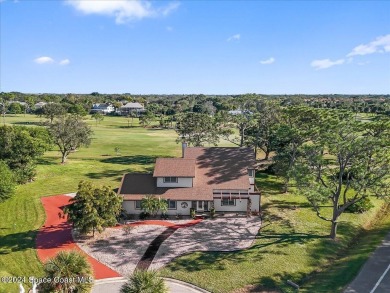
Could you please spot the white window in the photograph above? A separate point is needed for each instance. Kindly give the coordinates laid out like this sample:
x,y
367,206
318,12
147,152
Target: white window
x,y
172,204
228,202
251,173
137,204
170,179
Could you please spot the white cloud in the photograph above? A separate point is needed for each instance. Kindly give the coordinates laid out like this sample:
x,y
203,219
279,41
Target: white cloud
x,y
43,60
122,10
379,45
234,37
325,63
268,61
64,62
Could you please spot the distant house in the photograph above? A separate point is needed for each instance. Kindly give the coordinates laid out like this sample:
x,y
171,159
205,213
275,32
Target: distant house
x,y
39,105
102,108
239,112
218,177
130,107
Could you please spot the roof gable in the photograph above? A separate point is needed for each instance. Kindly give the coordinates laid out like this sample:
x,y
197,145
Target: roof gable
x,y
175,167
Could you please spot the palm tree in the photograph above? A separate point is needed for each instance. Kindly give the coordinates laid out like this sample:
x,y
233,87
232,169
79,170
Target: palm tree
x,y
144,282
71,266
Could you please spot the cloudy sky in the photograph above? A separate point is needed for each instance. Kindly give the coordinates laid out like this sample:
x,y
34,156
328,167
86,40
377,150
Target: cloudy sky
x,y
183,47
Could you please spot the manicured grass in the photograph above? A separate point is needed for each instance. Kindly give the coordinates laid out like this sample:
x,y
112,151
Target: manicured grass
x,y
291,245
22,215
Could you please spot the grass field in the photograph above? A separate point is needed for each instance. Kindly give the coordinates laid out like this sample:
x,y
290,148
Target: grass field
x,y
292,244
21,216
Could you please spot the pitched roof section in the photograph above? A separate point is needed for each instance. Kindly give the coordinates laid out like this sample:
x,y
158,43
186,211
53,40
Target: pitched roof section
x,y
211,168
136,186
221,167
175,167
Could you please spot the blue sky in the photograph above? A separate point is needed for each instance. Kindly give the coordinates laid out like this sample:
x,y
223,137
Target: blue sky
x,y
193,47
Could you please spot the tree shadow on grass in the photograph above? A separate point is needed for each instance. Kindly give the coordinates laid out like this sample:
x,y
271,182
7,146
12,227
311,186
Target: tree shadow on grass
x,y
27,123
128,160
116,175
17,241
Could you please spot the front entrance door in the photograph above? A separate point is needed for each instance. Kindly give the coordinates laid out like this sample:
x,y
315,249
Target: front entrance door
x,y
200,206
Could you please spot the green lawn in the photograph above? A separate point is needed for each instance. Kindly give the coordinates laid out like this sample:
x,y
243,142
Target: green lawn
x,y
21,216
292,244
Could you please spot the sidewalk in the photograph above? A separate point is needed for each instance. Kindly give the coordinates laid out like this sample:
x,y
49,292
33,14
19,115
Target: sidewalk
x,y
175,286
374,277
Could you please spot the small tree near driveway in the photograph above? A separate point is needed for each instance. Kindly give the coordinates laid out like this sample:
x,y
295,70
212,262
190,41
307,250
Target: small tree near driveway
x,y
93,208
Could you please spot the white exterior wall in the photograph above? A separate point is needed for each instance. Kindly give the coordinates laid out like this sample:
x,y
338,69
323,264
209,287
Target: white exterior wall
x,y
255,203
181,182
129,206
240,206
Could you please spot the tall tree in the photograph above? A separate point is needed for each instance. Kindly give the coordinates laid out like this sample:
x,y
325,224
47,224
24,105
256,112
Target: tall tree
x,y
20,147
93,208
71,266
70,133
298,127
53,110
262,133
7,182
198,129
360,165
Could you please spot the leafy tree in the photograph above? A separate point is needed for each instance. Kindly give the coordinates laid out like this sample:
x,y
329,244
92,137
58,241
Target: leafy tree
x,y
20,147
7,182
262,133
15,108
361,165
70,133
198,129
242,122
298,127
93,208
142,281
98,117
71,266
146,119
152,205
77,109
53,110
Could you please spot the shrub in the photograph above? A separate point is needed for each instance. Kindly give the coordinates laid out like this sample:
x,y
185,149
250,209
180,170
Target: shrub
x,y
144,282
144,215
361,206
192,213
164,216
212,212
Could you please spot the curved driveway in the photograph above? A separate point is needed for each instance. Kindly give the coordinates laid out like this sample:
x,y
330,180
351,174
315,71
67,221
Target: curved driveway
x,y
56,235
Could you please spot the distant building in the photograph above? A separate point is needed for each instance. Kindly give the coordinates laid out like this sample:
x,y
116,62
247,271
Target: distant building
x,y
39,105
102,108
239,112
130,107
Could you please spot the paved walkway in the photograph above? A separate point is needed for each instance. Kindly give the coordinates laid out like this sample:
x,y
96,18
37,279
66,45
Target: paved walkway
x,y
174,286
374,277
56,235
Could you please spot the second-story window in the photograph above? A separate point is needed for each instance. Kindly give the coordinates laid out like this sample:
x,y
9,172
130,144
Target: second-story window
x,y
170,179
251,173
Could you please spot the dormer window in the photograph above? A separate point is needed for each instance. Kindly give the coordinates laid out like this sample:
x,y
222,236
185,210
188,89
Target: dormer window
x,y
170,180
251,173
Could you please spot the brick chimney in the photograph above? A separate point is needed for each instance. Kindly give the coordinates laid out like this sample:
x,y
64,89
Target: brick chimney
x,y
183,147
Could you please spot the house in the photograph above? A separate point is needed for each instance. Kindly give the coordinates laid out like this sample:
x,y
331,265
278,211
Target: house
x,y
39,105
102,108
129,108
203,178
